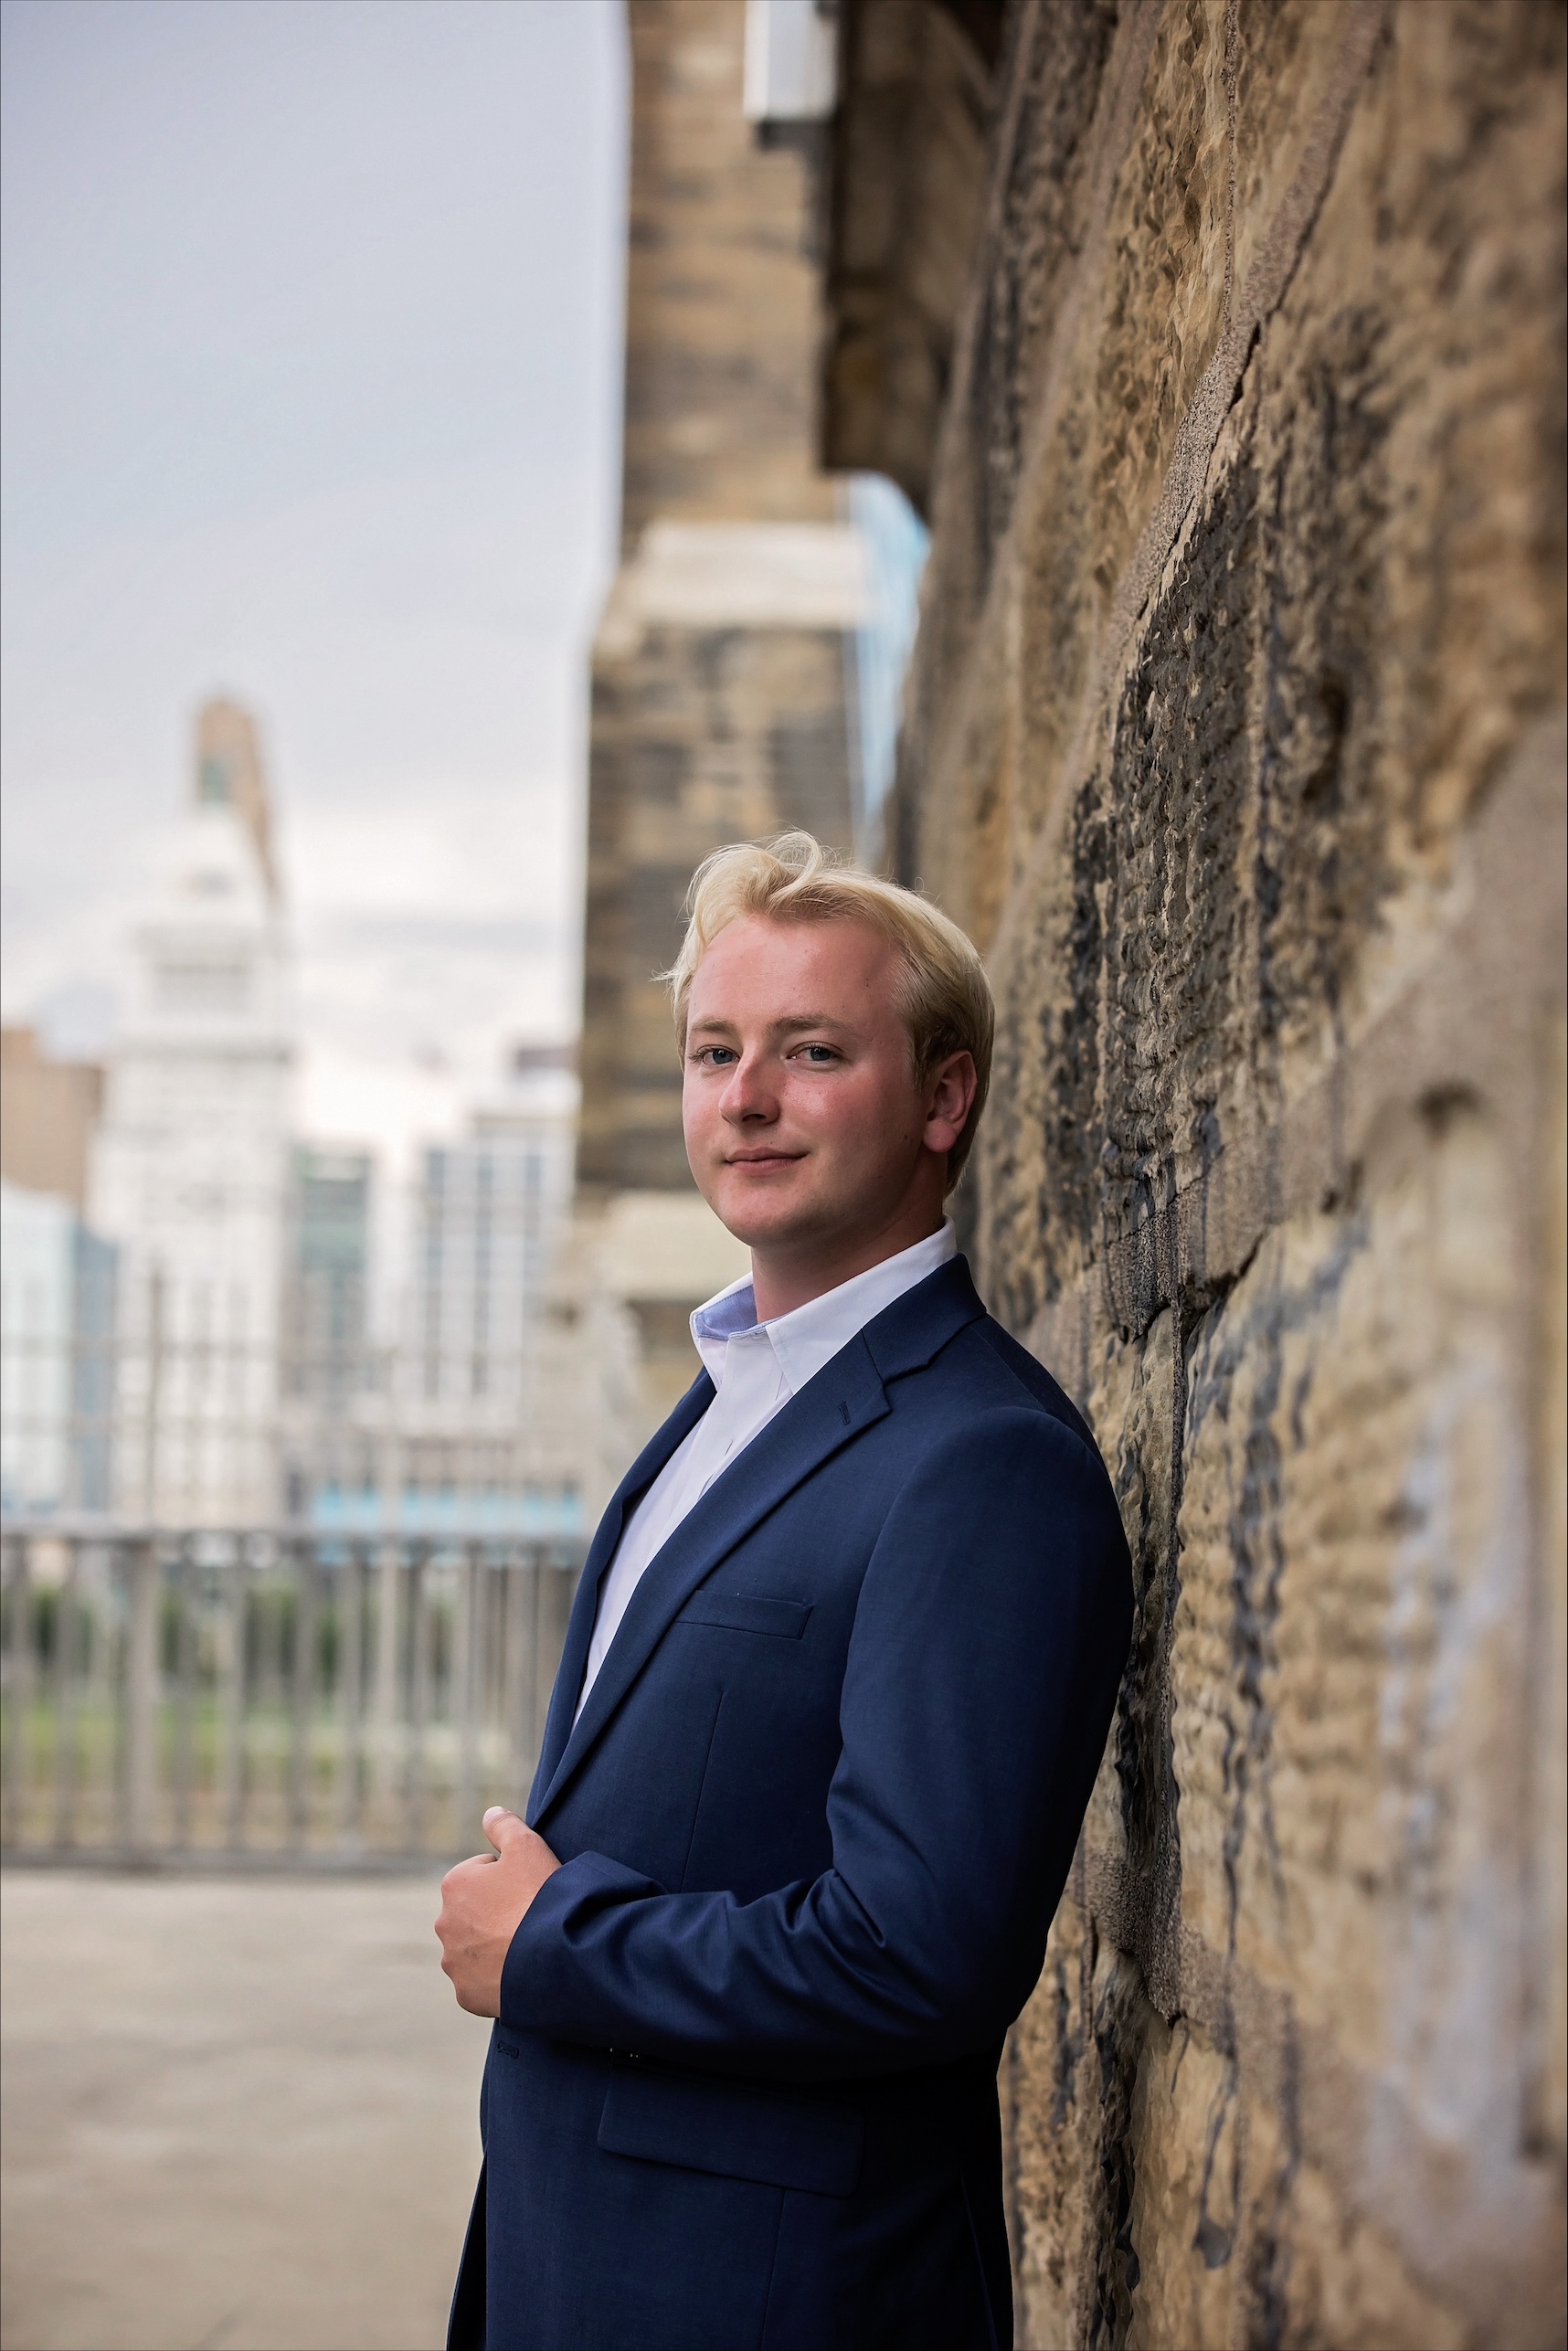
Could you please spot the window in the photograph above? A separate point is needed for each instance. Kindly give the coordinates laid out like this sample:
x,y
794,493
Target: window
x,y
209,985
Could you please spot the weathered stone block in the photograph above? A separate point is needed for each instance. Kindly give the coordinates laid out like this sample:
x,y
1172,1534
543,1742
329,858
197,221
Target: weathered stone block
x,y
1234,735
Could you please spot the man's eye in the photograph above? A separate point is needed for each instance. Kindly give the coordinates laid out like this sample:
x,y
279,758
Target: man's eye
x,y
717,1056
819,1056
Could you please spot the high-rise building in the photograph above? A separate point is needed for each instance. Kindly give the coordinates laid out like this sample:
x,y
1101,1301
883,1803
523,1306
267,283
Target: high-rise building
x,y
333,1385
56,1356
440,1434
190,1162
489,1212
326,1275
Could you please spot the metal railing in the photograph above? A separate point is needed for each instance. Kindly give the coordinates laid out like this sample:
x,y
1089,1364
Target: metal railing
x,y
260,1698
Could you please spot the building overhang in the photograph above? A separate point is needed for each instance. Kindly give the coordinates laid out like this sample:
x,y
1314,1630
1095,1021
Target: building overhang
x,y
908,168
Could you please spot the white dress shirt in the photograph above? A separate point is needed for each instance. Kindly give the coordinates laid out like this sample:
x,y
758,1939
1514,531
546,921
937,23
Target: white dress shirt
x,y
755,1368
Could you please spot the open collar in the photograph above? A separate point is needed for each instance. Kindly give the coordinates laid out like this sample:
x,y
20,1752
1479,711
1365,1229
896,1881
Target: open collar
x,y
810,1336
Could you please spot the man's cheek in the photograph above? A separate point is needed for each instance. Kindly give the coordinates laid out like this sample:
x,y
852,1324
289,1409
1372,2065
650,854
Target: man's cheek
x,y
696,1119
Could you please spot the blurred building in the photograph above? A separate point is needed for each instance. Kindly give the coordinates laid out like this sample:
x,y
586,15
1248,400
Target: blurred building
x,y
450,1426
56,1356
229,775
189,1167
489,1215
58,1278
48,1109
323,1334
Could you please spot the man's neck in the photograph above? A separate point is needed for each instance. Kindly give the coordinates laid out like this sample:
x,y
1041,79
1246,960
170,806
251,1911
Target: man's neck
x,y
783,1279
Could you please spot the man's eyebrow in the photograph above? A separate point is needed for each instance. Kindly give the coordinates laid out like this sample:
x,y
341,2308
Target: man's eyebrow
x,y
790,1025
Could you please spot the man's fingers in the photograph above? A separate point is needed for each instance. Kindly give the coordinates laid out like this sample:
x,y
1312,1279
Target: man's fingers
x,y
483,1906
503,1828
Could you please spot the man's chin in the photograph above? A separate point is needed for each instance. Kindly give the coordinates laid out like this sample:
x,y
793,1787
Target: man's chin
x,y
765,1211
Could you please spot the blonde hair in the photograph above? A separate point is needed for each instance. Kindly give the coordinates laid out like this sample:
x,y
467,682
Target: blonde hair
x,y
944,999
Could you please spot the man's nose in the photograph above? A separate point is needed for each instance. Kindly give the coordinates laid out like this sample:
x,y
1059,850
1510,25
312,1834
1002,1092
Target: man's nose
x,y
748,1098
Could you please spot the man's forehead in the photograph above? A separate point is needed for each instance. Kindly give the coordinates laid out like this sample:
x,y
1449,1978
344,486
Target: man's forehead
x,y
754,950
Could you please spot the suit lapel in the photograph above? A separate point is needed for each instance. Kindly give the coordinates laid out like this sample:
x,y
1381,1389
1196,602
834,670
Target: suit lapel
x,y
601,1551
846,1396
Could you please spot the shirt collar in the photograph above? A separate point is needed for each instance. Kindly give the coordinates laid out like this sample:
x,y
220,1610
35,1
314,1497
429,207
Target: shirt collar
x,y
810,1336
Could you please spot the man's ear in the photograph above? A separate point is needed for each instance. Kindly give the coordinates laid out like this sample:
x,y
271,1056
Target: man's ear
x,y
950,1093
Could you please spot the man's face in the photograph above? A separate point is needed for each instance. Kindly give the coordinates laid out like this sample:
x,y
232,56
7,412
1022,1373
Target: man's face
x,y
804,1124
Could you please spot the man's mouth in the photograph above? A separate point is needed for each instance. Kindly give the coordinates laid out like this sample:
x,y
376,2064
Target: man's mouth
x,y
764,1159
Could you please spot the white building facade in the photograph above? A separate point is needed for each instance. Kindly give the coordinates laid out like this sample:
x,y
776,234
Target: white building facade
x,y
189,1176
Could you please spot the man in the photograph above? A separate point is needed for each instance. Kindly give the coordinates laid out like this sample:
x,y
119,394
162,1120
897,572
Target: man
x,y
834,1692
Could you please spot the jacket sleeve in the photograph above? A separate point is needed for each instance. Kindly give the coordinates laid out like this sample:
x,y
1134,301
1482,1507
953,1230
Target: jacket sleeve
x,y
988,1640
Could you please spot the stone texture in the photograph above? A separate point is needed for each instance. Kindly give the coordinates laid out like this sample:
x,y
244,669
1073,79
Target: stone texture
x,y
906,189
1234,735
721,299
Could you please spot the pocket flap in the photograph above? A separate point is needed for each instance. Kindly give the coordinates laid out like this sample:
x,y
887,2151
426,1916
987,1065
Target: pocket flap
x,y
745,1612
744,2133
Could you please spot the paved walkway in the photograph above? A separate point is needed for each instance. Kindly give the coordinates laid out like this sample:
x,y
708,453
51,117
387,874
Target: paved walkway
x,y
239,2115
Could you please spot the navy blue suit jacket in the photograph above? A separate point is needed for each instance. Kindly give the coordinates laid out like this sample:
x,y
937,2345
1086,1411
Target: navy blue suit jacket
x,y
814,1822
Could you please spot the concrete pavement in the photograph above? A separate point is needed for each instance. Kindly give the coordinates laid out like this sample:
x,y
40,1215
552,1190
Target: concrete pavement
x,y
239,2115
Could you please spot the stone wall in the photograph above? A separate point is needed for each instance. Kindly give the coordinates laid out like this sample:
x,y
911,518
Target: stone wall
x,y
1235,738
721,297
907,181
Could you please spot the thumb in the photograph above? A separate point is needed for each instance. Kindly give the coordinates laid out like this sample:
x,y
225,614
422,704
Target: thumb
x,y
503,1828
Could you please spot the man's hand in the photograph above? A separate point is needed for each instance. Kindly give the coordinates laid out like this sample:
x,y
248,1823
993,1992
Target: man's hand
x,y
484,1903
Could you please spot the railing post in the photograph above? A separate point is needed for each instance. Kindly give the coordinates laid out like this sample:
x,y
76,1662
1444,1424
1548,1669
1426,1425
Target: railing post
x,y
350,1694
18,1688
151,1466
67,1654
302,1709
418,1702
141,1699
464,1679
231,1702
387,1675
185,1597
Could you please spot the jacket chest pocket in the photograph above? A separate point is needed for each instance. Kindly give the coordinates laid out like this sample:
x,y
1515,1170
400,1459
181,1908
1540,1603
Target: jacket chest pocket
x,y
745,1612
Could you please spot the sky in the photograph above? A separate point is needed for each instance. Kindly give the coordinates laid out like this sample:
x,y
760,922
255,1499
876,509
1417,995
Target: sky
x,y
312,320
